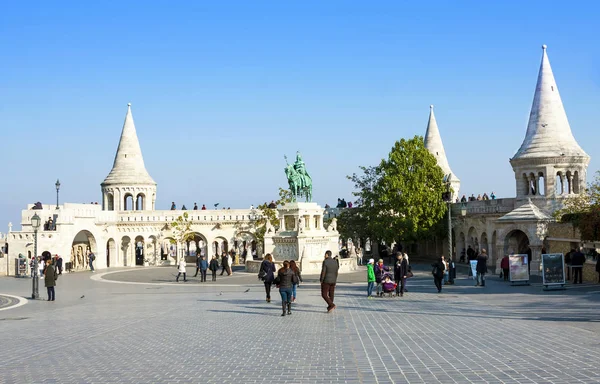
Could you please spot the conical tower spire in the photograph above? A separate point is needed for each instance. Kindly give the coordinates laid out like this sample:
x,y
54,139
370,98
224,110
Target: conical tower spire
x,y
548,132
433,143
128,167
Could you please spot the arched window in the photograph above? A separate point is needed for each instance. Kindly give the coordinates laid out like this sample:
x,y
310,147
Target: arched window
x,y
110,201
541,184
568,187
532,184
559,188
140,202
128,202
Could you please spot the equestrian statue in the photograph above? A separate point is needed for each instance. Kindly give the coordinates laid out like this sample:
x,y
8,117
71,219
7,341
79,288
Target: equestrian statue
x,y
298,179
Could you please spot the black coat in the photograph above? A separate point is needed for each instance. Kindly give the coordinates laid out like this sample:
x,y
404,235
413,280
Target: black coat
x,y
400,269
285,278
269,269
577,259
482,263
439,268
214,265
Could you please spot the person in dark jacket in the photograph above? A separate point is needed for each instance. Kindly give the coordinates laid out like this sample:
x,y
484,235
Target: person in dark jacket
x,y
286,282
598,266
225,264
203,264
504,264
267,270
214,266
400,271
577,261
50,277
481,267
438,273
380,271
59,264
329,274
198,260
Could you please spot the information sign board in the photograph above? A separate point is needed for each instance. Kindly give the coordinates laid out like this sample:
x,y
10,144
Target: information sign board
x,y
553,269
518,268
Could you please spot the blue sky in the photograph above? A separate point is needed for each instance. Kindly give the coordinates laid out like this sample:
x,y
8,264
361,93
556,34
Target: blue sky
x,y
220,91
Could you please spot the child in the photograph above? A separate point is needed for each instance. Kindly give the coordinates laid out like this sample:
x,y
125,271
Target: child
x,y
388,285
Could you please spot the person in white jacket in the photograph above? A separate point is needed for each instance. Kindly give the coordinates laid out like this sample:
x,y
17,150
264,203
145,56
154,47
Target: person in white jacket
x,y
181,269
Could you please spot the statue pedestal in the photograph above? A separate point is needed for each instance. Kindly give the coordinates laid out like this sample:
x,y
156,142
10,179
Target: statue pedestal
x,y
302,237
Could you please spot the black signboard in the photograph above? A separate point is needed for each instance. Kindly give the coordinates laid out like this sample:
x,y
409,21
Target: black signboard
x,y
553,269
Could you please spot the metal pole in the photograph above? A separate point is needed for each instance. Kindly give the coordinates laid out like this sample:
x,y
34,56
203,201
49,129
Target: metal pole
x,y
56,198
450,279
36,293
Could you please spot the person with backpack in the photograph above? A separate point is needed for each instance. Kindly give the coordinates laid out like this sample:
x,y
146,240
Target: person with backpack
x,y
438,273
91,258
214,266
266,273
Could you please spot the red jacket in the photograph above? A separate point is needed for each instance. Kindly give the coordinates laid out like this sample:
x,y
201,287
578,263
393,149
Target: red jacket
x,y
504,263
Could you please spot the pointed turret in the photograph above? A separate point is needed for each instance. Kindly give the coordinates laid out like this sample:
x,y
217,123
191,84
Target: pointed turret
x,y
433,143
548,131
128,176
550,164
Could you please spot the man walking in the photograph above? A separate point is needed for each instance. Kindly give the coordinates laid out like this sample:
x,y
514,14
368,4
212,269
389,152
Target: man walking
x,y
91,258
481,267
50,279
577,261
329,274
59,264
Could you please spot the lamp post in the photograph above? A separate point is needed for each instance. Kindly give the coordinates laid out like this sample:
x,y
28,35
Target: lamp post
x,y
35,224
57,185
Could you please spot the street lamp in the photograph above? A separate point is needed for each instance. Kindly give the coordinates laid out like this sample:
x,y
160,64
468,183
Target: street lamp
x,y
463,209
35,224
57,185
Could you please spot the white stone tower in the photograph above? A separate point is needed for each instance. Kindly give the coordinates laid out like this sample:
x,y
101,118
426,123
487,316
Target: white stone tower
x,y
550,165
433,142
128,186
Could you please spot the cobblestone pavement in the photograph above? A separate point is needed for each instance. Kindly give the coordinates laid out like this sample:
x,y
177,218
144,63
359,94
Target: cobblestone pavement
x,y
99,332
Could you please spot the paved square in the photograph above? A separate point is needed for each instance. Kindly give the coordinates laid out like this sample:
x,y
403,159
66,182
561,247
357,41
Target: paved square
x,y
103,332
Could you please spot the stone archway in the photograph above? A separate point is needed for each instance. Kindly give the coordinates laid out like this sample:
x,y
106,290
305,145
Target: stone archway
x,y
245,245
83,243
139,250
461,246
516,242
220,245
111,253
483,242
472,239
197,247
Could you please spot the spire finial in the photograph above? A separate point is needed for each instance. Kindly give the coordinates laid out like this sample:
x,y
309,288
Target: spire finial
x,y
431,107
129,104
544,47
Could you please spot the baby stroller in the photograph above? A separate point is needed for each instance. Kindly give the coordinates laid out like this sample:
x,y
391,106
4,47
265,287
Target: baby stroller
x,y
388,285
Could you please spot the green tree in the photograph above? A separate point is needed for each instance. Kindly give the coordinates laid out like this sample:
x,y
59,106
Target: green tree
x,y
583,210
262,213
182,230
401,198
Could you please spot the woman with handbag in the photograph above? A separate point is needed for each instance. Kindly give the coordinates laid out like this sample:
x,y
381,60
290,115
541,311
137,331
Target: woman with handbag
x,y
285,282
266,273
400,272
297,279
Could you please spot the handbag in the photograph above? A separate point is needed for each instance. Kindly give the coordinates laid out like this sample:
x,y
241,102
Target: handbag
x,y
262,274
277,280
409,274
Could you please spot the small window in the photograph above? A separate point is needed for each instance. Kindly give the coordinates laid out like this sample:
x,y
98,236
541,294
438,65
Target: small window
x,y
552,87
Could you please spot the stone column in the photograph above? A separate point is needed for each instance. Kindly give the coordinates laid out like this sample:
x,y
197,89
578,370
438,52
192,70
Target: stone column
x,y
536,259
563,179
498,254
570,179
537,185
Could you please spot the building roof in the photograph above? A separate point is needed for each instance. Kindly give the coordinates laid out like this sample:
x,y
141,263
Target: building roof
x,y
128,167
548,132
526,212
433,142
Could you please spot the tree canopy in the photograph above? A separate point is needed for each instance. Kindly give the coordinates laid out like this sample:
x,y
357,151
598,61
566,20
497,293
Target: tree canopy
x,y
583,210
401,198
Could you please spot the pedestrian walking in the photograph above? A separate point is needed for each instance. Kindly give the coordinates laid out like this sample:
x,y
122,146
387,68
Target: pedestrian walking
x,y
438,273
577,261
181,269
297,279
266,273
285,280
59,264
91,258
329,274
203,268
214,266
225,264
504,264
400,272
481,267
370,278
50,280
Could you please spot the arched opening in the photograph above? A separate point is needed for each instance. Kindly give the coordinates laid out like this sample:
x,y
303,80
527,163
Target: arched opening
x,y
532,184
140,202
219,246
516,242
168,249
83,243
110,202
472,240
197,247
245,246
541,184
461,247
128,202
139,250
483,243
568,180
495,256
125,246
111,253
576,182
559,187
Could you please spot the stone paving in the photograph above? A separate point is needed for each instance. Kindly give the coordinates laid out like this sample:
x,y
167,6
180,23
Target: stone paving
x,y
101,332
